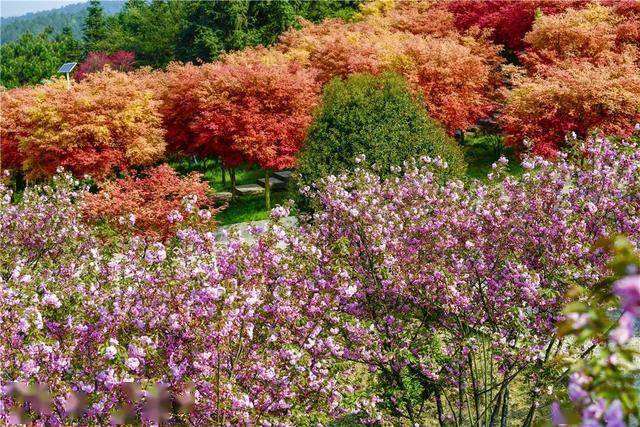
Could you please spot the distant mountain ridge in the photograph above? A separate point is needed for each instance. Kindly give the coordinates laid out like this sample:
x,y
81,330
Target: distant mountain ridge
x,y
12,27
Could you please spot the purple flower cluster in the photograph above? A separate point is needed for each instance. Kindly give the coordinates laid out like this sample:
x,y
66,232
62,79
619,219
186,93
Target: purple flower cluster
x,y
226,323
436,282
427,286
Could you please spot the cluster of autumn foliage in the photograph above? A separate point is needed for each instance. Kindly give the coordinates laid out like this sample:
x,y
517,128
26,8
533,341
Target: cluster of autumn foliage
x,y
578,70
109,120
154,202
97,61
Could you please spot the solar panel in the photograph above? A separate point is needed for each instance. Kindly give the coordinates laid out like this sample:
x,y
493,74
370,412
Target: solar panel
x,y
67,67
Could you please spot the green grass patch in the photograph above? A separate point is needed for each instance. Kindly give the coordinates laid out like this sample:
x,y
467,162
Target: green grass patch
x,y
242,208
482,151
212,172
251,208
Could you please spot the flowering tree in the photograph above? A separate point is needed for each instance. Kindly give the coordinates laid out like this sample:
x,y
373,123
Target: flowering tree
x,y
574,96
456,77
110,120
436,286
156,203
136,331
602,386
96,61
413,280
255,108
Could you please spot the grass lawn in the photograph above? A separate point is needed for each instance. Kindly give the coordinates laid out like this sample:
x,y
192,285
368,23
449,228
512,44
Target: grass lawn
x,y
480,153
241,209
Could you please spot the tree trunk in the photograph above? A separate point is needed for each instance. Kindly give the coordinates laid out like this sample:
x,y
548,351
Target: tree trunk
x,y
439,407
505,408
267,189
232,180
224,176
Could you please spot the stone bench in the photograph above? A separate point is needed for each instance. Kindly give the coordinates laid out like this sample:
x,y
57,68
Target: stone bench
x,y
275,183
248,189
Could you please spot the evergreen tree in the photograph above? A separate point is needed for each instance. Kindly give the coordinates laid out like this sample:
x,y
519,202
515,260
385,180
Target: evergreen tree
x,y
69,47
34,57
95,28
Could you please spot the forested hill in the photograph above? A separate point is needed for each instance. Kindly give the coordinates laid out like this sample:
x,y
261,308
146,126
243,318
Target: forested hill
x,y
73,15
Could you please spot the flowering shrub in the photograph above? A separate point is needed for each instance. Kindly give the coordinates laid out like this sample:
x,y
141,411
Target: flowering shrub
x,y
225,331
154,203
436,286
447,294
602,387
96,61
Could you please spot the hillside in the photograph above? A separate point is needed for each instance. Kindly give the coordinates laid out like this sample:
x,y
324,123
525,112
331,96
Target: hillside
x,y
11,28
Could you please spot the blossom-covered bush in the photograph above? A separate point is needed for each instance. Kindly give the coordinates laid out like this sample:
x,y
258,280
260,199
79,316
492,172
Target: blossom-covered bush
x,y
154,202
193,331
436,286
447,295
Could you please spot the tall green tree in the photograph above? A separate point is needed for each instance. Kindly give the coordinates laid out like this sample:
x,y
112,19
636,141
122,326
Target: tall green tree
x,y
34,57
69,47
375,116
95,27
212,27
150,29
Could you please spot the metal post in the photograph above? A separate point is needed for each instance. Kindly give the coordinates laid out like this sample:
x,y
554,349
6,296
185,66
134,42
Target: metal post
x,y
68,82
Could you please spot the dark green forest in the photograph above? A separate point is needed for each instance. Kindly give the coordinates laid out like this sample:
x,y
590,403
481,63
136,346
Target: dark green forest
x,y
157,32
72,16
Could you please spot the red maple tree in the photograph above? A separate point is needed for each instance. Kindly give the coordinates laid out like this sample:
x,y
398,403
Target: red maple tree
x,y
254,108
572,96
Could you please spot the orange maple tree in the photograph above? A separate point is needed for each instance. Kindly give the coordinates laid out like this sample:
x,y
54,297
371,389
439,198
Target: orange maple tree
x,y
572,96
457,75
593,33
12,126
108,121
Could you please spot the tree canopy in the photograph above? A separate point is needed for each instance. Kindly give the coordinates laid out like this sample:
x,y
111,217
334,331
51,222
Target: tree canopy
x,y
34,57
